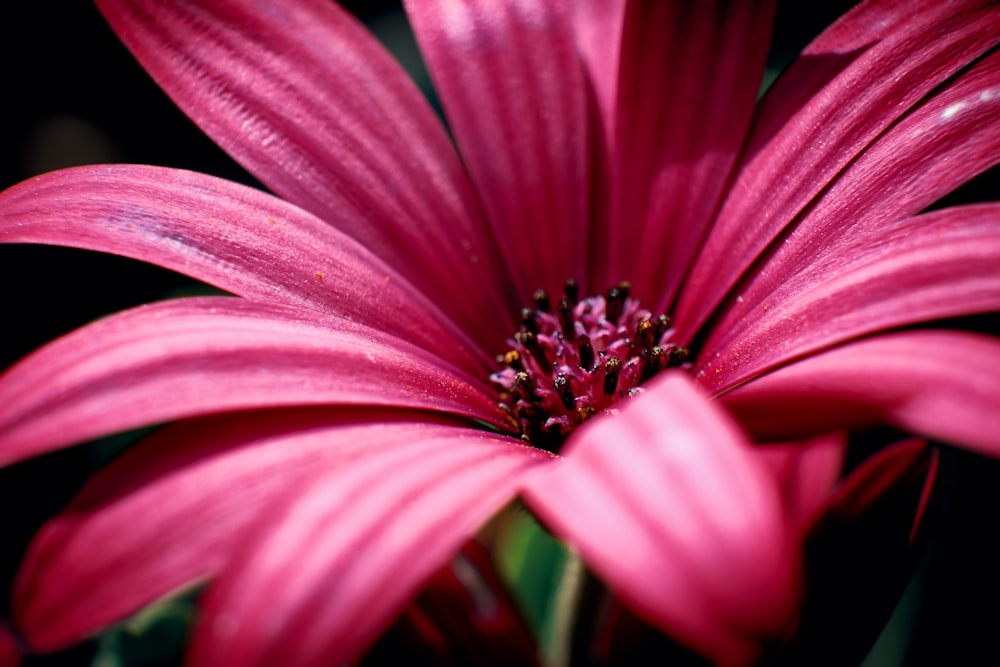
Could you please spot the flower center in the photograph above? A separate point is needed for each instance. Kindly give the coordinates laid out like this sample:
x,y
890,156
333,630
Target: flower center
x,y
576,360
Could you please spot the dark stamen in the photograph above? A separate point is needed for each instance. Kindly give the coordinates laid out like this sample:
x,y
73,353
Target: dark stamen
x,y
532,346
565,392
586,351
541,300
662,324
612,368
566,320
583,413
526,387
644,334
529,321
572,291
655,363
615,301
613,305
678,356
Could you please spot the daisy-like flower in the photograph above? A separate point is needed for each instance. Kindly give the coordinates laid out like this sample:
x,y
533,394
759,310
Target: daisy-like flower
x,y
376,389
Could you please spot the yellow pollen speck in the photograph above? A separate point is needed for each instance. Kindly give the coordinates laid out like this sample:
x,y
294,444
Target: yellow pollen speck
x,y
319,274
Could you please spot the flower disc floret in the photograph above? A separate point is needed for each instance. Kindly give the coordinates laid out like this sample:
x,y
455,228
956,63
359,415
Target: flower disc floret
x,y
578,358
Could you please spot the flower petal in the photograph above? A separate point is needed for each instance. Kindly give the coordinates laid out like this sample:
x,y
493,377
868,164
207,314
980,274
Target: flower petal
x,y
859,555
670,505
465,615
512,87
937,265
330,571
944,142
943,385
175,508
806,472
851,83
10,651
233,237
676,83
313,106
199,356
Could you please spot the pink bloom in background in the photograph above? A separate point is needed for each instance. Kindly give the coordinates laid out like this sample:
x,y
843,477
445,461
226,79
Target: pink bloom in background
x,y
341,427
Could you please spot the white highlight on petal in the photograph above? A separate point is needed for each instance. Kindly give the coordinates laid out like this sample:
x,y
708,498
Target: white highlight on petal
x,y
953,109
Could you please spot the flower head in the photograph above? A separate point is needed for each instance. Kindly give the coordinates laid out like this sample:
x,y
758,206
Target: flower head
x,y
343,420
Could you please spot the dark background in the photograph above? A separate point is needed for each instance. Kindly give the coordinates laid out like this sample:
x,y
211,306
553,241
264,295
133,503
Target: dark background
x,y
73,95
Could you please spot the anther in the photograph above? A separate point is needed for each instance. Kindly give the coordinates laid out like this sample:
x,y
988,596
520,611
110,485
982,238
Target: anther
x,y
513,359
586,351
654,363
541,300
572,292
662,324
583,413
678,356
526,386
565,392
615,301
612,368
645,332
566,320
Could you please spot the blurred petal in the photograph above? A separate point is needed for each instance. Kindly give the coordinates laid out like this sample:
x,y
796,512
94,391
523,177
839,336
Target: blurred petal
x,y
329,572
805,473
852,83
670,505
943,385
464,616
228,235
859,556
938,265
176,507
10,651
676,83
512,86
192,357
313,106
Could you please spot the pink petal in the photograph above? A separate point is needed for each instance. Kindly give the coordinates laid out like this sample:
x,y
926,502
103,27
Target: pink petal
x,y
940,384
859,556
174,508
676,83
513,89
231,236
806,472
328,572
10,651
200,356
309,102
670,505
850,85
937,265
941,144
464,616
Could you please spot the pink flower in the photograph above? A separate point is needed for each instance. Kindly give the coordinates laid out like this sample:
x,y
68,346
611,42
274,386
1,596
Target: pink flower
x,y
338,436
